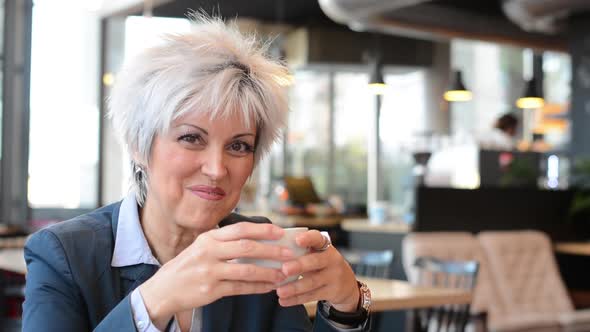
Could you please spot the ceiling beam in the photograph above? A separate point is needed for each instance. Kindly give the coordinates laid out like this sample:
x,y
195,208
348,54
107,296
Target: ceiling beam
x,y
432,21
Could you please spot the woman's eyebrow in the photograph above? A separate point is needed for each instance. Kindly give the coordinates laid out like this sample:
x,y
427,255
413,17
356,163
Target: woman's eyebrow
x,y
244,134
207,133
196,127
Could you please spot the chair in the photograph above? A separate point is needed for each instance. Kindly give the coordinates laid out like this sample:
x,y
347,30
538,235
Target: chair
x,y
11,299
448,274
530,289
374,264
450,246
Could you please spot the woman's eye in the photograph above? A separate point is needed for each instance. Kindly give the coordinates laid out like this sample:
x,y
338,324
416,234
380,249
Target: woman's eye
x,y
240,147
191,138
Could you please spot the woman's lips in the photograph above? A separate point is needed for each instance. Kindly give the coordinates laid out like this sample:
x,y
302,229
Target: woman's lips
x,y
208,193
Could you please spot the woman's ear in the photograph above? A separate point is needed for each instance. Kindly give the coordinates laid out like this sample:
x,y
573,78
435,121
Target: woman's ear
x,y
138,160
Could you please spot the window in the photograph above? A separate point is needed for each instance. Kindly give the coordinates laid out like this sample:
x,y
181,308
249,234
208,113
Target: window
x,y
403,116
63,155
494,73
353,105
329,130
308,140
554,123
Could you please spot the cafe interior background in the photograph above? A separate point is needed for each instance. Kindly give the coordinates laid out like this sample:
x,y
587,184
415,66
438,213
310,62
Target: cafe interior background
x,y
368,162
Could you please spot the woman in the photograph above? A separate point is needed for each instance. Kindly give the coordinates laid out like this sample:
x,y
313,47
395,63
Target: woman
x,y
196,114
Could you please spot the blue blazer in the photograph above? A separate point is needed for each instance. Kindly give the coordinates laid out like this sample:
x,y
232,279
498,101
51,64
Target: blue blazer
x,y
71,286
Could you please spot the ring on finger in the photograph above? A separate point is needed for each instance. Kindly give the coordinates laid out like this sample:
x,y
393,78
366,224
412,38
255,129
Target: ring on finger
x,y
327,242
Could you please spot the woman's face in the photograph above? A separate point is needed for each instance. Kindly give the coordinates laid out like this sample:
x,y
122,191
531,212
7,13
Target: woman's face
x,y
197,170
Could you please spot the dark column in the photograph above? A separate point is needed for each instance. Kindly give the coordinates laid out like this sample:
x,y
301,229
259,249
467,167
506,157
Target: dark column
x,y
16,67
579,46
437,79
110,152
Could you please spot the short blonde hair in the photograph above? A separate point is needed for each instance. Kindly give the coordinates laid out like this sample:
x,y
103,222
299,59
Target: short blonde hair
x,y
213,69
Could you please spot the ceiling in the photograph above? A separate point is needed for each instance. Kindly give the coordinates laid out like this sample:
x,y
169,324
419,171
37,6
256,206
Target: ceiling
x,y
98,7
427,19
297,12
108,7
539,24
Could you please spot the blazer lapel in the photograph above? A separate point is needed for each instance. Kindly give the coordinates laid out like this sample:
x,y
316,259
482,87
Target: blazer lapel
x,y
135,275
217,316
132,276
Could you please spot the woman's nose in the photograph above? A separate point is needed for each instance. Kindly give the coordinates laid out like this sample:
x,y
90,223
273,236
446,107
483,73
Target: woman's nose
x,y
214,165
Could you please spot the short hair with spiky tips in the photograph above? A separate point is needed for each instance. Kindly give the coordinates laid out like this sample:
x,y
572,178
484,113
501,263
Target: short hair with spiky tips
x,y
213,69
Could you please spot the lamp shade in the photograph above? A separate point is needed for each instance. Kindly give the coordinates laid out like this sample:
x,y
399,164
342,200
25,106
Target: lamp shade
x,y
532,96
457,91
377,85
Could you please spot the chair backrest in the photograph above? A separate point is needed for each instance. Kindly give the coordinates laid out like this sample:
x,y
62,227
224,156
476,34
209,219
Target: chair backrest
x,y
450,246
376,264
522,265
448,274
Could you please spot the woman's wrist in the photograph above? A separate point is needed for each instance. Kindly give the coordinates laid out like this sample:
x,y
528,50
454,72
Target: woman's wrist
x,y
158,307
351,305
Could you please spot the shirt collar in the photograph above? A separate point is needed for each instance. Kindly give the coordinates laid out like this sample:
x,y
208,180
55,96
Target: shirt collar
x,y
131,246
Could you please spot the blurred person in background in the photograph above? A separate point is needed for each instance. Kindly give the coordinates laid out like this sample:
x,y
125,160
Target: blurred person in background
x,y
502,135
196,114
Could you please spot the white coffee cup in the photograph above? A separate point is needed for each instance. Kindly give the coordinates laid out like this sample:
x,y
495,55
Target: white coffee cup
x,y
378,212
288,241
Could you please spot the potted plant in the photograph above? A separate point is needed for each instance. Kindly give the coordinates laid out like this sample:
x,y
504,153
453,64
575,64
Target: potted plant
x,y
579,211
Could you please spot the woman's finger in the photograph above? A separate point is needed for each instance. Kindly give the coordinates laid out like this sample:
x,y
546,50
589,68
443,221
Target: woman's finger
x,y
311,239
248,272
252,249
307,283
307,263
247,230
311,296
230,288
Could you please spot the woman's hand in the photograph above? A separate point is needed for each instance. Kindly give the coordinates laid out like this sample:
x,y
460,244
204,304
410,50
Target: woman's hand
x,y
202,273
326,276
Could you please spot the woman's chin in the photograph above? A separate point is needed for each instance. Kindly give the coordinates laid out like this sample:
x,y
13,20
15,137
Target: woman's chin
x,y
204,222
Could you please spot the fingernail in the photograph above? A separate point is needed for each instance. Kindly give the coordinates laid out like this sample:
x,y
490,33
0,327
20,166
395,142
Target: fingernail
x,y
277,231
285,252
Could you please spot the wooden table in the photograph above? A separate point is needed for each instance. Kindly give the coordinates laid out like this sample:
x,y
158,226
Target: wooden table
x,y
401,295
363,225
13,260
573,248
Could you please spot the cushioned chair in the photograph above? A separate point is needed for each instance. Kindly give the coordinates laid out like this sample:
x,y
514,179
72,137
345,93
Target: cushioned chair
x,y
529,287
452,246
